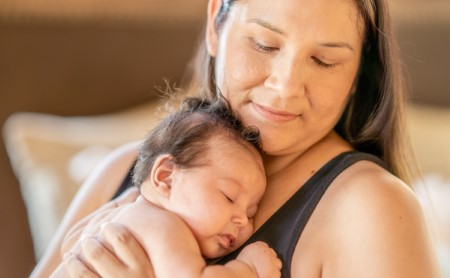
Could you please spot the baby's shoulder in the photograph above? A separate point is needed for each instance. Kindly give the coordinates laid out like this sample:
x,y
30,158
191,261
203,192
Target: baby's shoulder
x,y
143,215
161,233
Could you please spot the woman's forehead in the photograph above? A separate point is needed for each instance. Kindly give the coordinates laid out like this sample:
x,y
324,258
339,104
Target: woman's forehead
x,y
292,10
327,18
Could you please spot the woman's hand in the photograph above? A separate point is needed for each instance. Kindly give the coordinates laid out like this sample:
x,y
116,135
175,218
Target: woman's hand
x,y
92,223
115,253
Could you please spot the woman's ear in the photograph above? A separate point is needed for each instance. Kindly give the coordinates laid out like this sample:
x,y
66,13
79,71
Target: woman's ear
x,y
162,174
212,35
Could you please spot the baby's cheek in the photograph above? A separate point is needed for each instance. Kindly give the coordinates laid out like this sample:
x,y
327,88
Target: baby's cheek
x,y
245,233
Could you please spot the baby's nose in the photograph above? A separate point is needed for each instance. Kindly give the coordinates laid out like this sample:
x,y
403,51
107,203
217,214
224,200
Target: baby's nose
x,y
241,219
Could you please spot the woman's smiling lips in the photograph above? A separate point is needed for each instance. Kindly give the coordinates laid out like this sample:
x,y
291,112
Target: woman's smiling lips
x,y
274,115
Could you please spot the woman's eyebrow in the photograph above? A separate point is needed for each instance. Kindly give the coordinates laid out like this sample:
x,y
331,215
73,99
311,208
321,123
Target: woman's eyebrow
x,y
272,28
266,25
337,45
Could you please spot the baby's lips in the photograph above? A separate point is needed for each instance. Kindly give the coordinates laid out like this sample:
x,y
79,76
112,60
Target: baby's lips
x,y
227,241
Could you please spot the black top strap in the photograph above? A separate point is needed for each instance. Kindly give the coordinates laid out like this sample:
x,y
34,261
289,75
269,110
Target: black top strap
x,y
283,229
127,182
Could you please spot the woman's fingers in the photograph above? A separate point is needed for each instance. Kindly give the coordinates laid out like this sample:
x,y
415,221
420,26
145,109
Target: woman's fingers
x,y
127,249
100,258
76,268
120,255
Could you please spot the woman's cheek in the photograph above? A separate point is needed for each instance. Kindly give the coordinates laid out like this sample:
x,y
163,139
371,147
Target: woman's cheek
x,y
328,105
248,69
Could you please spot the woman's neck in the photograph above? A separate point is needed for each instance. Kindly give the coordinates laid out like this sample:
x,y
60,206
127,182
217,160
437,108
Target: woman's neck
x,y
329,146
287,173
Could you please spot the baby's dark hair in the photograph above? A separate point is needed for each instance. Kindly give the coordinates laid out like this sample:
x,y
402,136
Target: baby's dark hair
x,y
185,135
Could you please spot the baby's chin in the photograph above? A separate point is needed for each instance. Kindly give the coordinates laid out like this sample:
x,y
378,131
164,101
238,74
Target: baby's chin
x,y
214,253
214,247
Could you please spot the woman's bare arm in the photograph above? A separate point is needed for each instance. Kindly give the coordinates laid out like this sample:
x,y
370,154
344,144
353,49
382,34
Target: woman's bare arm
x,y
95,192
373,226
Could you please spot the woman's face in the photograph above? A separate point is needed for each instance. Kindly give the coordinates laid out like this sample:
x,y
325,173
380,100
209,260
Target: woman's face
x,y
287,66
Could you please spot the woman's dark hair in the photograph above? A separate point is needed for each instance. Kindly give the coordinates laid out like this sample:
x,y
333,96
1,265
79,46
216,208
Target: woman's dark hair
x,y
373,119
186,134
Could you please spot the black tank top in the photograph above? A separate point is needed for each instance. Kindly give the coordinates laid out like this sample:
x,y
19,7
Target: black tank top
x,y
283,229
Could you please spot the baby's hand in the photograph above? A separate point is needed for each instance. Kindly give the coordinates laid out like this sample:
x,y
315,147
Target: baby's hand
x,y
262,258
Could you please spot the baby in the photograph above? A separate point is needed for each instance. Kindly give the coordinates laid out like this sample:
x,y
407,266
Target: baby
x,y
201,177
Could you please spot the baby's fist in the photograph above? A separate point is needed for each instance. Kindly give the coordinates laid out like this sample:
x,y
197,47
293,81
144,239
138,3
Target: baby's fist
x,y
262,259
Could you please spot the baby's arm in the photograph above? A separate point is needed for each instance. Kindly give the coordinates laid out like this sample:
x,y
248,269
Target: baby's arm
x,y
174,251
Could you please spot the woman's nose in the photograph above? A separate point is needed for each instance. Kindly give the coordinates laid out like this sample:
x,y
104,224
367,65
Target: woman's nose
x,y
286,78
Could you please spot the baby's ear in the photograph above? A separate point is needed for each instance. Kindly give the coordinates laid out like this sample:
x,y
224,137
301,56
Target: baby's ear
x,y
162,173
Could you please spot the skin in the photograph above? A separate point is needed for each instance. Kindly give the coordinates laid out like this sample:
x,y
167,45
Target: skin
x,y
207,211
271,68
271,61
217,201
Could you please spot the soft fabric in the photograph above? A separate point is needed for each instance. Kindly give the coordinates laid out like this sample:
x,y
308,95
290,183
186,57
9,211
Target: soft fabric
x,y
52,155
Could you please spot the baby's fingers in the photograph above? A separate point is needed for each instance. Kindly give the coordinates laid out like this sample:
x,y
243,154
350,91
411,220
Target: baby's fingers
x,y
278,263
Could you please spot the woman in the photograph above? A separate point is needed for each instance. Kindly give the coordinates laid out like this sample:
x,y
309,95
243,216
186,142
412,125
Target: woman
x,y
319,79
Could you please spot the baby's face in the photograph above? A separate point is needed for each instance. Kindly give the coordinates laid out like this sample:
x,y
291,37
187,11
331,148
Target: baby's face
x,y
218,200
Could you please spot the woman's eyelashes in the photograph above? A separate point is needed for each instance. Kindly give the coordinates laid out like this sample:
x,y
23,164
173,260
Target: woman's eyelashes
x,y
321,63
263,47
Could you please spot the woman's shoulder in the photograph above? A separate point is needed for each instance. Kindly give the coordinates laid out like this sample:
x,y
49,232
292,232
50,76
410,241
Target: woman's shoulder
x,y
368,195
115,166
124,153
105,179
368,185
374,220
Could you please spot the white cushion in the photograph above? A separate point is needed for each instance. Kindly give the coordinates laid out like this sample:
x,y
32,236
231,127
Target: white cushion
x,y
52,155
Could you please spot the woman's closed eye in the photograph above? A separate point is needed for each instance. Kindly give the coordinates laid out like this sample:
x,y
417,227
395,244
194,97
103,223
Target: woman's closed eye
x,y
322,64
263,47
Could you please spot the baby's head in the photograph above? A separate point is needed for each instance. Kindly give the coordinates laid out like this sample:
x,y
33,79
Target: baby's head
x,y
204,165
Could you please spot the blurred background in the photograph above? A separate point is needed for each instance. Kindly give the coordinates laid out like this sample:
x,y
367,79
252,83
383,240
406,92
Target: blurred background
x,y
80,77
